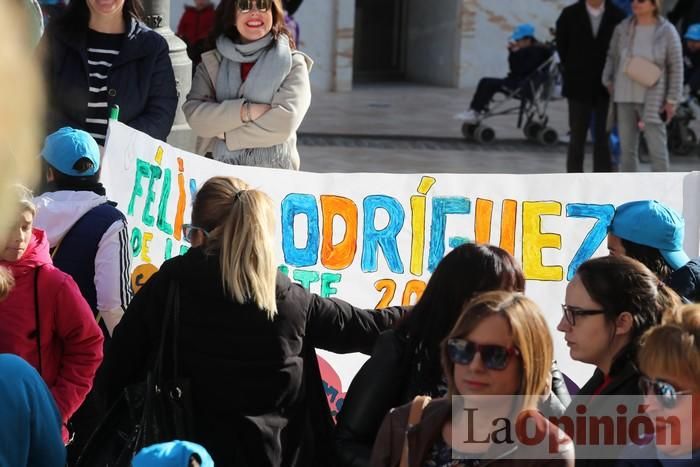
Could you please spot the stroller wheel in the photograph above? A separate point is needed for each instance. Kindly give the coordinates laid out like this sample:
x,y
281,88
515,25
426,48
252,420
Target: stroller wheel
x,y
531,130
548,136
484,134
682,141
468,130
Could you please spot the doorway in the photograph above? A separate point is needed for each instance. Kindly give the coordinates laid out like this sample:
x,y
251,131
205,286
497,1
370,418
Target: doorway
x,y
380,38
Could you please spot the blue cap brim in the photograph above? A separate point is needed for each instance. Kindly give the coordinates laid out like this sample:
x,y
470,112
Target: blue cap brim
x,y
675,259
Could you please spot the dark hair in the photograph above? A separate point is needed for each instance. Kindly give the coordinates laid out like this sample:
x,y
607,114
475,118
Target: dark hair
x,y
622,284
76,17
466,271
650,257
225,23
62,181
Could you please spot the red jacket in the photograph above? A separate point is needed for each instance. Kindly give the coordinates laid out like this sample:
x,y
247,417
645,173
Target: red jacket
x,y
195,24
71,340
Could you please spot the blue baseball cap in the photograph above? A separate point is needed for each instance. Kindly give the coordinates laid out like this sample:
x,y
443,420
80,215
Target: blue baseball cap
x,y
652,224
66,146
693,32
172,454
522,31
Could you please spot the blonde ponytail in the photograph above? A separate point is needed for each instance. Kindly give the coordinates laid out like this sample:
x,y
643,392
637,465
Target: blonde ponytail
x,y
240,222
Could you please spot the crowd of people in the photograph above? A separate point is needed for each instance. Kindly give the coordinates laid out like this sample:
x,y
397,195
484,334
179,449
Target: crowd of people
x,y
227,342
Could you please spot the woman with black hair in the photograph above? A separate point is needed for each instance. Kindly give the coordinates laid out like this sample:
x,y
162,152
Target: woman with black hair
x,y
406,361
99,54
610,303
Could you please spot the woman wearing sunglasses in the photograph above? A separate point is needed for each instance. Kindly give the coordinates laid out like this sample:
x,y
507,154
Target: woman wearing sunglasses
x,y
251,92
644,74
669,358
500,346
246,336
610,303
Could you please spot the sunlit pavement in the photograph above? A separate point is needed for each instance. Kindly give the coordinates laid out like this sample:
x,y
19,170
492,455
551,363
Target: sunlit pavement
x,y
410,128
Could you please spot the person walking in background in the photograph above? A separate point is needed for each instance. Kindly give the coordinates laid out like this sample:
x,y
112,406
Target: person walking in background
x,y
583,34
250,94
194,28
246,336
100,54
45,319
30,432
644,73
624,5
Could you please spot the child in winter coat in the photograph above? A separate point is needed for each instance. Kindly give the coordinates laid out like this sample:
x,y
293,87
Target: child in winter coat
x,y
44,319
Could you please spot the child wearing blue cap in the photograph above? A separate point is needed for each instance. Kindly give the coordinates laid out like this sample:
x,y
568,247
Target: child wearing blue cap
x,y
652,233
88,237
173,454
692,59
525,55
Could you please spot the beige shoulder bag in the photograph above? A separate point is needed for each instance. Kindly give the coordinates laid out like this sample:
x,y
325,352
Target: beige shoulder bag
x,y
640,70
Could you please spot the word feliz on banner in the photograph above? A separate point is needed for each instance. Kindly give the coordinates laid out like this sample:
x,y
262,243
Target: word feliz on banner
x,y
374,239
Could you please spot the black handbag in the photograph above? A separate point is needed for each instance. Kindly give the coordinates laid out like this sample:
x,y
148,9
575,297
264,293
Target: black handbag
x,y
153,411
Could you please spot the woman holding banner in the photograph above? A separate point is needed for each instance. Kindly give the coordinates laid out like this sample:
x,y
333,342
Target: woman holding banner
x,y
498,359
251,92
246,336
99,54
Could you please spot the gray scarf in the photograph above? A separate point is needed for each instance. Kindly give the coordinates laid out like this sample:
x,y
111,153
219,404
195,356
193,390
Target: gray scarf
x,y
273,62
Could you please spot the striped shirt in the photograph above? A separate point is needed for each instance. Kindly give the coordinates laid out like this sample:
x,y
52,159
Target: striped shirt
x,y
102,50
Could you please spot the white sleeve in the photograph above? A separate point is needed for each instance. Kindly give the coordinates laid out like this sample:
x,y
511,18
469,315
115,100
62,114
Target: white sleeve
x,y
112,274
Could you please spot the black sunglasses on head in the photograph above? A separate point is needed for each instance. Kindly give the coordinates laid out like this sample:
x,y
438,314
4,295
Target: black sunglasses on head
x,y
495,357
244,6
666,393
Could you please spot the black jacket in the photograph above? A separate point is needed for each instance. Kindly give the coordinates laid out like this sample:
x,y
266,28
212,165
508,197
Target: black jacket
x,y
383,383
523,62
583,56
623,381
686,281
258,398
141,80
687,12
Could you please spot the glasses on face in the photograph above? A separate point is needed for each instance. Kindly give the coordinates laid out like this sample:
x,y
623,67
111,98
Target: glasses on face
x,y
244,6
665,393
495,357
571,312
188,231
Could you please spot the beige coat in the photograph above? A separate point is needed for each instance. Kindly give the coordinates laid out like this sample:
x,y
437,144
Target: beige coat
x,y
210,119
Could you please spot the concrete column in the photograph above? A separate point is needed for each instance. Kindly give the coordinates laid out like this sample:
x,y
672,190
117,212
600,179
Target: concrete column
x,y
158,18
344,45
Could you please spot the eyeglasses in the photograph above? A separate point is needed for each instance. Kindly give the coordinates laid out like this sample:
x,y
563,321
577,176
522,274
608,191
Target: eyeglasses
x,y
188,231
665,393
495,357
244,6
643,1
571,312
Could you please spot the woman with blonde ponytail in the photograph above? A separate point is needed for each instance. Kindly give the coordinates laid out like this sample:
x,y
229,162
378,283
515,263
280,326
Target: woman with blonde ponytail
x,y
246,336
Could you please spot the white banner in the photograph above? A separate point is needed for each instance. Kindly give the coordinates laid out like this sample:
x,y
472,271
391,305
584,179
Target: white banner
x,y
373,239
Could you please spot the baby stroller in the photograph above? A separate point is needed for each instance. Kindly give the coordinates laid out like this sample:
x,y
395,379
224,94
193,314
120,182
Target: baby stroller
x,y
529,101
682,140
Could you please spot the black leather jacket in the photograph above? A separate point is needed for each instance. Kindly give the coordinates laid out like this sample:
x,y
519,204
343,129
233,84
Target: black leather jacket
x,y
381,384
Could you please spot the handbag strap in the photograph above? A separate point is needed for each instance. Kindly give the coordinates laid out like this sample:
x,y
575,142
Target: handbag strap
x,y
414,416
36,317
172,311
